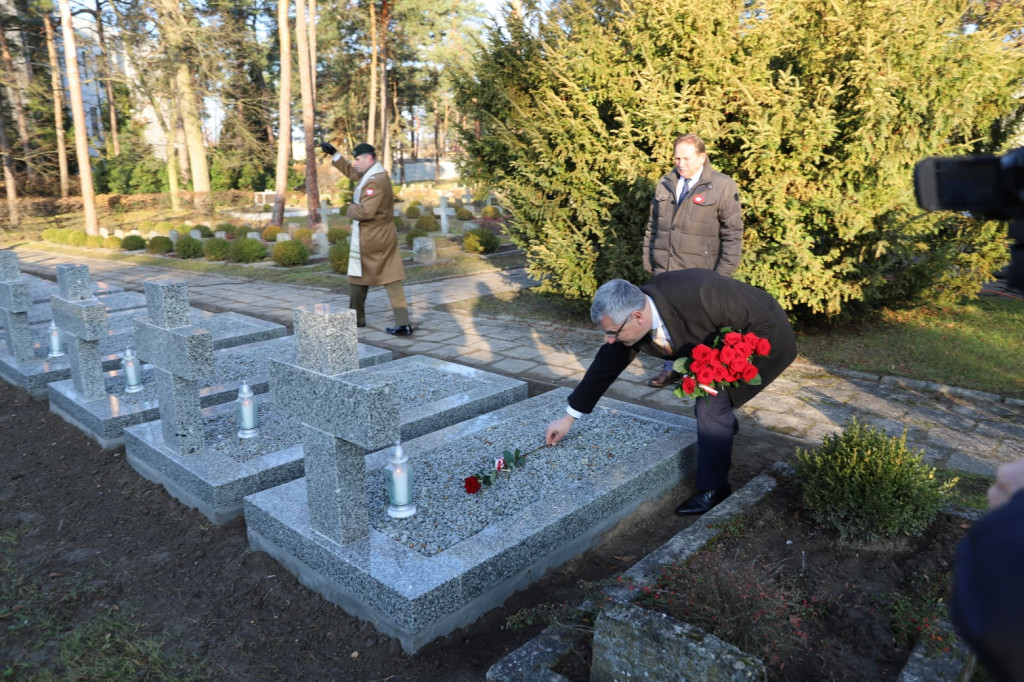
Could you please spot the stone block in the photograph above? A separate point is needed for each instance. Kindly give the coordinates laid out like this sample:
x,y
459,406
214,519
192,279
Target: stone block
x,y
220,234
325,338
167,303
85,319
631,642
254,235
424,250
86,358
195,234
15,296
180,412
10,270
73,282
173,236
283,237
186,352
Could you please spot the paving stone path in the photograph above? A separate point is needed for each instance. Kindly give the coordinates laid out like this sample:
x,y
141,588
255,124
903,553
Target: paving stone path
x,y
962,429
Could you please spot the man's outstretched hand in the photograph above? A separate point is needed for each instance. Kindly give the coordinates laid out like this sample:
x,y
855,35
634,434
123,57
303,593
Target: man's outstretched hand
x,y
328,148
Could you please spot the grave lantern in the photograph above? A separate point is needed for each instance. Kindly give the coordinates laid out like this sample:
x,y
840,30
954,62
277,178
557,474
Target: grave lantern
x,y
246,412
55,341
398,480
132,372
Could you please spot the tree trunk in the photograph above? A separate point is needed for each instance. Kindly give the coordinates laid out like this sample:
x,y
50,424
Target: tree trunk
x,y
105,73
305,85
437,146
9,184
92,226
58,106
371,119
194,140
284,115
17,105
385,134
312,45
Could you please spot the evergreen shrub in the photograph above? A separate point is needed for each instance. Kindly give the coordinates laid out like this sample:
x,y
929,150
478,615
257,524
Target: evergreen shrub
x,y
111,242
204,231
868,486
216,249
412,234
270,233
428,223
290,253
463,213
188,247
247,250
304,235
399,223
480,240
52,235
337,256
94,241
490,212
413,211
159,245
338,235
133,242
75,237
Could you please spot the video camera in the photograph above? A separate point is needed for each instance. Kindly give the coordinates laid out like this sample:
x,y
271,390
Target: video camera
x,y
986,185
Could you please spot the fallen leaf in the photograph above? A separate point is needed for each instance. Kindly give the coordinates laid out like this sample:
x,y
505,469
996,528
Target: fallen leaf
x,y
355,654
624,558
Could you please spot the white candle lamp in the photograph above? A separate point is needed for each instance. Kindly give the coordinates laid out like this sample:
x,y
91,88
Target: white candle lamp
x,y
398,480
246,405
132,372
55,341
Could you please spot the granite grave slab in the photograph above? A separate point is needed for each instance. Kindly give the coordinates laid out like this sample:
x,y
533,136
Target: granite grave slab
x,y
460,555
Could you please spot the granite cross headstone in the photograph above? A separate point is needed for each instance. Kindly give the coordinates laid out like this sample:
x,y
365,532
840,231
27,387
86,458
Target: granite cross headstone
x,y
444,211
341,421
181,355
15,301
83,320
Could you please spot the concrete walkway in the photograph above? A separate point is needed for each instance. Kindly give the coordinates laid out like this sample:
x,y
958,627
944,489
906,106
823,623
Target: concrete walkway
x,y
961,429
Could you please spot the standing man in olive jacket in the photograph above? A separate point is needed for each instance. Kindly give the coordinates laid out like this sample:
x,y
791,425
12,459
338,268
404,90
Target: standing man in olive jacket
x,y
666,318
695,222
373,257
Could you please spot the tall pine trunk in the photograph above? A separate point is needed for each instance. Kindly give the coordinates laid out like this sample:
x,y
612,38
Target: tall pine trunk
x,y
58,105
105,73
17,104
371,118
284,115
9,184
92,226
305,85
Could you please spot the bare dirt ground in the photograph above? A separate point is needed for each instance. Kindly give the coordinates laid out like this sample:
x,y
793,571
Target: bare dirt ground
x,y
87,536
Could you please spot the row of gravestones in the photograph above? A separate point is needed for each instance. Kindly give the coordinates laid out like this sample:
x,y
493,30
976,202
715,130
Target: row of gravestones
x,y
306,448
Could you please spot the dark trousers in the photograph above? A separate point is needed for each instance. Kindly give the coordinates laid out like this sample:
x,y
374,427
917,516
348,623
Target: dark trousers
x,y
716,424
396,294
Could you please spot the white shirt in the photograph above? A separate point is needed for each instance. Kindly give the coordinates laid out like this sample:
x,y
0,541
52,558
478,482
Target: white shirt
x,y
693,183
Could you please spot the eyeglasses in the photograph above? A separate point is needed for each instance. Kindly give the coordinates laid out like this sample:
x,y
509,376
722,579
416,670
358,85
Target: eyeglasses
x,y
618,331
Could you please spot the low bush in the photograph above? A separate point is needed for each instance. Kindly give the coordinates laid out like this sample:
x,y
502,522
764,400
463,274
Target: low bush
x,y
53,235
227,228
304,235
270,233
159,245
133,242
490,212
413,211
204,231
412,234
216,249
94,241
463,213
247,250
337,256
868,486
338,235
111,242
399,223
480,240
290,253
427,223
76,238
188,247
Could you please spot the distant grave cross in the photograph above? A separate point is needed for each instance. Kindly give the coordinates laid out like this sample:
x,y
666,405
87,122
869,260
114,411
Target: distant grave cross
x,y
182,356
341,421
15,301
83,319
444,211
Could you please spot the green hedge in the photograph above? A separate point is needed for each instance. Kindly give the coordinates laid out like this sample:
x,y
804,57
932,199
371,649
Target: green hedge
x,y
188,247
216,249
290,253
158,245
480,240
247,250
133,242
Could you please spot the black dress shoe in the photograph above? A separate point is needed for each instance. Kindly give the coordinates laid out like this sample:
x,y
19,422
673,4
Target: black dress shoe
x,y
360,324
404,330
703,501
666,378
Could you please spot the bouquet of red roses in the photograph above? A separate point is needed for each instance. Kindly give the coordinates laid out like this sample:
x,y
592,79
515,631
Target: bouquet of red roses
x,y
727,362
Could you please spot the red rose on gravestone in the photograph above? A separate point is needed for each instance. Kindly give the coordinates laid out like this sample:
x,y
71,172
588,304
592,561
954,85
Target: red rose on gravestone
x,y
472,484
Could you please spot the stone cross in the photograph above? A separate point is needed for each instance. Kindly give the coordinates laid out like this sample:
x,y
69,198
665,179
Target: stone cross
x,y
444,211
83,320
181,355
341,421
468,196
15,302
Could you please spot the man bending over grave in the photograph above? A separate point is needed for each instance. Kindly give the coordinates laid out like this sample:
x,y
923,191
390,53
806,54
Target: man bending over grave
x,y
374,257
667,318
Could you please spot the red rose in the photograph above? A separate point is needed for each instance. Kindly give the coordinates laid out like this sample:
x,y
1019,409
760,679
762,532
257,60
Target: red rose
x,y
743,349
706,377
728,354
751,339
701,352
720,372
749,372
472,484
697,366
715,356
738,365
733,338
764,347
689,385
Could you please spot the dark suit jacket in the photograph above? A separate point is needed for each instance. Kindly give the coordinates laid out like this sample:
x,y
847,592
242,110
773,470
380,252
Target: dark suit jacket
x,y
695,304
